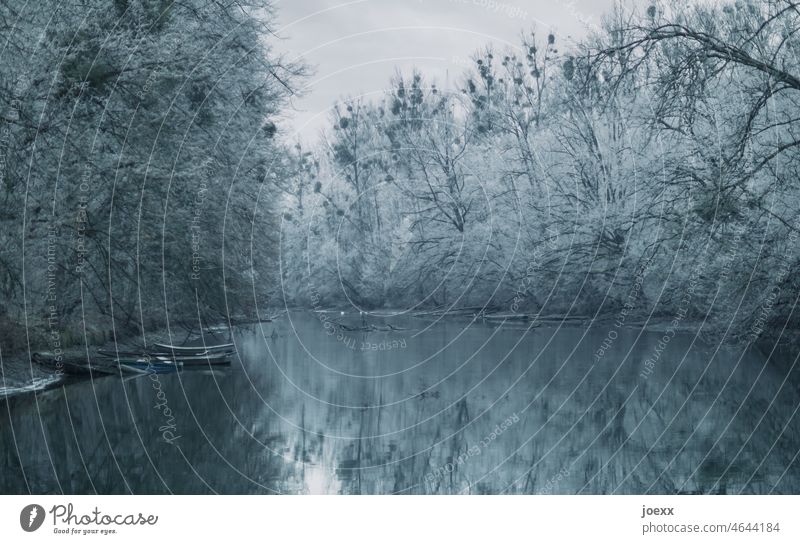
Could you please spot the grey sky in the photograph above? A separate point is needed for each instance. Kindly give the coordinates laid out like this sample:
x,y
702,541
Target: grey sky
x,y
355,46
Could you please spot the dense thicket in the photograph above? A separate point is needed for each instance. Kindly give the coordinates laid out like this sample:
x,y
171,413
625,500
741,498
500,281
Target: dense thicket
x,y
138,144
650,171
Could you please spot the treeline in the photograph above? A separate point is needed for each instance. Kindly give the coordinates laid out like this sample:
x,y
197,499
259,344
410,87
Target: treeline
x,y
137,154
649,171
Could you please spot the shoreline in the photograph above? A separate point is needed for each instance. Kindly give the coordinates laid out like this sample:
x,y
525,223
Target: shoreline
x,y
43,381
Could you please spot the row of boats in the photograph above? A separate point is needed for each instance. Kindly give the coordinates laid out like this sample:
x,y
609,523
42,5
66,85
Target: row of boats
x,y
159,359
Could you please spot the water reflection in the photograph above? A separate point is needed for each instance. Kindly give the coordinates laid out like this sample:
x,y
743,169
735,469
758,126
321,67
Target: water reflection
x,y
314,405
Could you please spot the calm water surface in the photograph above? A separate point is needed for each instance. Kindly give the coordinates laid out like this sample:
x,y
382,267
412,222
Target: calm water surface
x,y
446,406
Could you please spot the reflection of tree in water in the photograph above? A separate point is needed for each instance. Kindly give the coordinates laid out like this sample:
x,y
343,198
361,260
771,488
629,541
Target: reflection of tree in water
x,y
285,424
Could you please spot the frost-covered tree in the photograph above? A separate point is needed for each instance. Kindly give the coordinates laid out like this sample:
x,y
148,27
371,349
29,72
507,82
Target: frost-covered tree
x,y
141,151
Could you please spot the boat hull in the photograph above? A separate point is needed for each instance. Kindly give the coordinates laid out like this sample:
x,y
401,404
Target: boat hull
x,y
192,350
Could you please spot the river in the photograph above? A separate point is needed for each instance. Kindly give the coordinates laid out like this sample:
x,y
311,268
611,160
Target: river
x,y
421,406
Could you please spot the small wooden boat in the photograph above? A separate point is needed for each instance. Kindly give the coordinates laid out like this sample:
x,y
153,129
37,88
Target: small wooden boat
x,y
154,353
194,360
217,358
70,366
191,350
143,364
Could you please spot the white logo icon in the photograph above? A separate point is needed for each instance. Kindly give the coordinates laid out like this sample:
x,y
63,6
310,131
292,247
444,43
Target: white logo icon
x,y
31,518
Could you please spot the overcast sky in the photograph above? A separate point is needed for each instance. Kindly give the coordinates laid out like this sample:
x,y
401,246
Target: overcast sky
x,y
356,46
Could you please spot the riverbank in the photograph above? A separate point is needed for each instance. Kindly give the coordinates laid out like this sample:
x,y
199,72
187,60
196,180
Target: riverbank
x,y
301,411
20,375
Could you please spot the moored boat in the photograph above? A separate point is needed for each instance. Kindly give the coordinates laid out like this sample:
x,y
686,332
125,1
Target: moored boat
x,y
191,350
215,358
189,360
